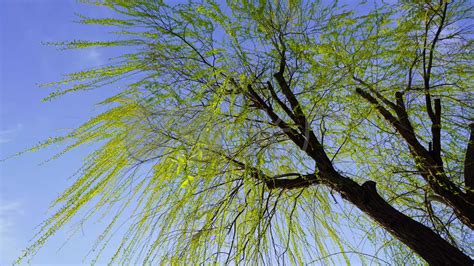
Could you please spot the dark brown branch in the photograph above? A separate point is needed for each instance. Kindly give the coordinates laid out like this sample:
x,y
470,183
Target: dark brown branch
x,y
378,94
382,110
426,77
436,115
427,68
281,103
410,72
436,133
402,112
299,182
365,197
306,140
311,146
403,115
278,181
295,106
429,166
435,40
287,129
402,125
285,88
429,245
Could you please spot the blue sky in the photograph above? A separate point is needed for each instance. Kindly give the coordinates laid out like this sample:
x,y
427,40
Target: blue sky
x,y
27,188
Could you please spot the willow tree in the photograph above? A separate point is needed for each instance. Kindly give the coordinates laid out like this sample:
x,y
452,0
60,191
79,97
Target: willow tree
x,y
261,131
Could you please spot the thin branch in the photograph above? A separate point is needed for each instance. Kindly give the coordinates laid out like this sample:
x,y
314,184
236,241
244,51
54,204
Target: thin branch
x,y
427,68
469,165
374,91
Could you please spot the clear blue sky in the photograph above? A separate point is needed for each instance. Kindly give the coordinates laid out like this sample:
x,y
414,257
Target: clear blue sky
x,y
26,188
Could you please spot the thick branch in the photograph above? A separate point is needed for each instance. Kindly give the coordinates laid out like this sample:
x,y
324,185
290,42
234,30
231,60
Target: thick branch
x,y
434,249
299,182
290,96
281,103
428,165
426,243
278,181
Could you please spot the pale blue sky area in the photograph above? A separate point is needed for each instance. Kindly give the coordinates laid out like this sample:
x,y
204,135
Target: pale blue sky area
x,y
27,188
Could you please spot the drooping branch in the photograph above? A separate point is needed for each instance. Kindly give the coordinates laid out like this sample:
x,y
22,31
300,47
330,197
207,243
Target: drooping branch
x,y
272,182
365,196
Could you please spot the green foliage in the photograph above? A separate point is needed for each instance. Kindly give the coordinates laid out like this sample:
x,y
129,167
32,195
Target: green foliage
x,y
178,147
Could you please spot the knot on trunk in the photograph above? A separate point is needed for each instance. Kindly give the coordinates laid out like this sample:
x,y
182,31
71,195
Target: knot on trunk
x,y
370,191
370,185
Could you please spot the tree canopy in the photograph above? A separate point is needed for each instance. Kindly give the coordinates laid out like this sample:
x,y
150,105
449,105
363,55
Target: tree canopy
x,y
260,132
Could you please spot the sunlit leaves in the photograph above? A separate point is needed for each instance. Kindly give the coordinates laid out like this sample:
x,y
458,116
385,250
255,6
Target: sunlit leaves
x,y
176,149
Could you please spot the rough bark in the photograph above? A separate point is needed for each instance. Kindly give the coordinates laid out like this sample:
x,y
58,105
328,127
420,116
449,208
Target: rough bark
x,y
421,239
454,197
428,162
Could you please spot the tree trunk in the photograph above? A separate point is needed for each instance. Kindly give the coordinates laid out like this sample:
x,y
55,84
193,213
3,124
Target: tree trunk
x,y
421,239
